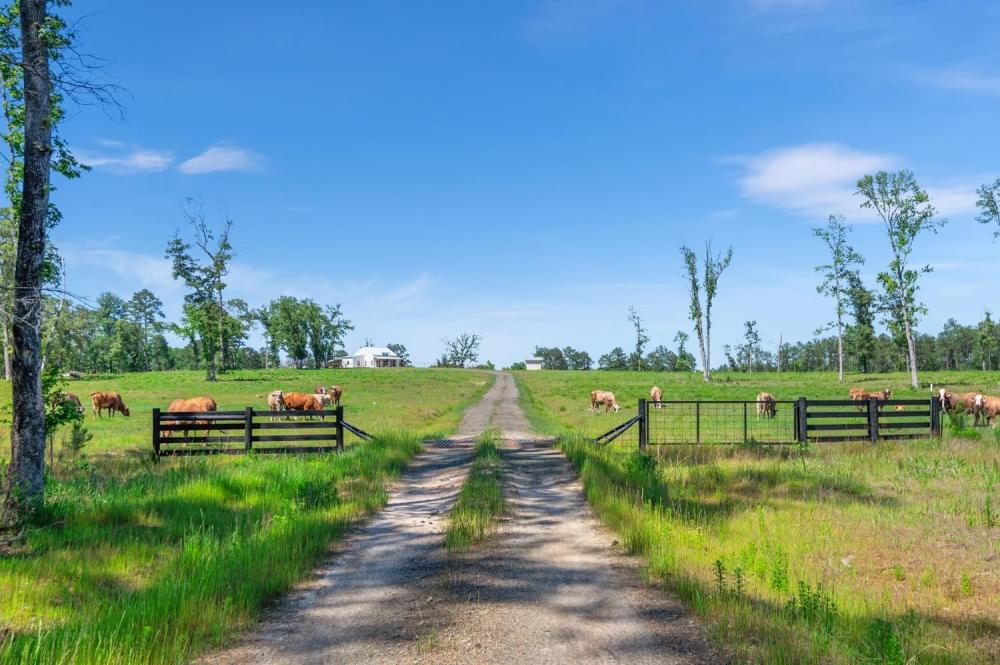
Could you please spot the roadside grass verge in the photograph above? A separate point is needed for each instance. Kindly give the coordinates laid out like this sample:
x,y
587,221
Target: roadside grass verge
x,y
480,501
135,562
816,563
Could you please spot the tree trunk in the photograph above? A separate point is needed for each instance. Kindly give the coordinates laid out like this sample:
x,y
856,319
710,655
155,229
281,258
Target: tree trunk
x,y
7,360
26,473
706,347
912,349
840,352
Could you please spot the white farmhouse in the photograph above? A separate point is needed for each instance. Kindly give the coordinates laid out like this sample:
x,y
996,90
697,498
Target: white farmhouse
x,y
533,364
372,356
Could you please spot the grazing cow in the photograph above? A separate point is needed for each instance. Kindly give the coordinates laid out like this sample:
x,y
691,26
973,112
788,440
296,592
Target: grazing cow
x,y
302,402
107,400
989,406
766,405
656,394
201,404
336,392
862,395
74,400
603,398
275,401
962,402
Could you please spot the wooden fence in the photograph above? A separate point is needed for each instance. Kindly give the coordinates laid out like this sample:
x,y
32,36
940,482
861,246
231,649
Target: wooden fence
x,y
275,432
791,422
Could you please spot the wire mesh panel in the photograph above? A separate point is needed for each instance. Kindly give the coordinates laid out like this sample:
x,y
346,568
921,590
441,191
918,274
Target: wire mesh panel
x,y
719,422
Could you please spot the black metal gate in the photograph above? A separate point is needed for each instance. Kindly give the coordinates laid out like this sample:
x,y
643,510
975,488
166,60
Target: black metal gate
x,y
788,422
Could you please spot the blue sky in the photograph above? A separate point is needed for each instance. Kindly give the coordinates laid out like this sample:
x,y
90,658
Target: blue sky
x,y
527,170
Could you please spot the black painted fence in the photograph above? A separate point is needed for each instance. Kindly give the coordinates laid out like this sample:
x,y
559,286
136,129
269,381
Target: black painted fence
x,y
803,420
273,432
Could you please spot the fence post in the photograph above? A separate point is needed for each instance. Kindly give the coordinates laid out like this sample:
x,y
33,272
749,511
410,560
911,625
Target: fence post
x,y
697,422
643,434
935,416
339,411
248,428
156,432
744,422
803,420
873,419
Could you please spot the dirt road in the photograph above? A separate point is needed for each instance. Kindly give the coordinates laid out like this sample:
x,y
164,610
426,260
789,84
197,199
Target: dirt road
x,y
548,588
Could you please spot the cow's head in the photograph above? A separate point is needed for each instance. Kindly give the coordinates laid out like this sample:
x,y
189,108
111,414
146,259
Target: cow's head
x,y
125,410
886,394
615,407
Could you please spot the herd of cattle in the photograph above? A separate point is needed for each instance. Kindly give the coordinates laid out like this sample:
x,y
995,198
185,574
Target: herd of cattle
x,y
277,400
984,408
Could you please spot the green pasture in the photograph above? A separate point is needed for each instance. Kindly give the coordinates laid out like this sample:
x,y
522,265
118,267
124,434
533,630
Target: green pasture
x,y
837,553
419,401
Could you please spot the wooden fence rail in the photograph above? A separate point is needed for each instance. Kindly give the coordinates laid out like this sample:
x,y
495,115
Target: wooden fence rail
x,y
172,432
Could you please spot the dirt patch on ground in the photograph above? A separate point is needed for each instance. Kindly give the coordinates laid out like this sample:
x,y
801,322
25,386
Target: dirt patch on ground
x,y
549,587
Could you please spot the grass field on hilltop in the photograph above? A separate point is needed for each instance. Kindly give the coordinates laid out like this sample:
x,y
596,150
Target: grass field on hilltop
x,y
141,562
420,401
839,553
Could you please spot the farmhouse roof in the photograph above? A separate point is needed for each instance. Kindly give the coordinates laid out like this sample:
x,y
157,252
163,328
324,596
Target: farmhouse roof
x,y
379,351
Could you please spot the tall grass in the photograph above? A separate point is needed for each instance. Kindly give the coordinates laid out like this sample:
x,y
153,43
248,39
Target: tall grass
x,y
480,501
837,553
790,571
156,563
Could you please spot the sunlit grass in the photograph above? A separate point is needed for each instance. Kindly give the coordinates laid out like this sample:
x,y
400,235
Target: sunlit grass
x,y
846,553
480,501
155,563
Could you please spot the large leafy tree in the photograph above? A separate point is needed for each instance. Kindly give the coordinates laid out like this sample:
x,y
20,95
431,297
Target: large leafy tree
x,y
907,213
837,276
203,266
613,359
552,357
702,294
30,40
461,350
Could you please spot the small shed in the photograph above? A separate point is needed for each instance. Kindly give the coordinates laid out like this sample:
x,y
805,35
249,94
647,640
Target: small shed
x,y
533,364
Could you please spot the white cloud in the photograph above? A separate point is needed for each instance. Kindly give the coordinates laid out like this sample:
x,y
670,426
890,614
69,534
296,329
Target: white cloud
x,y
122,160
954,199
406,294
814,178
136,270
961,80
222,158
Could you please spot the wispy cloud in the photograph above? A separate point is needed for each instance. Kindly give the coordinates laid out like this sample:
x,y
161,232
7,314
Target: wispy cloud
x,y
135,269
814,178
958,79
222,158
121,158
407,294
562,17
769,5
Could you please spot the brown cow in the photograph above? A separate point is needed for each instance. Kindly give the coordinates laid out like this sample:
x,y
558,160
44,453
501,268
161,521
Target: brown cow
x,y
962,402
302,402
603,398
107,400
276,401
989,407
201,404
333,391
74,400
766,405
862,395
656,394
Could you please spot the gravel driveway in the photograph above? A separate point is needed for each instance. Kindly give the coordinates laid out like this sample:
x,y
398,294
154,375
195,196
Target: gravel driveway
x,y
549,587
